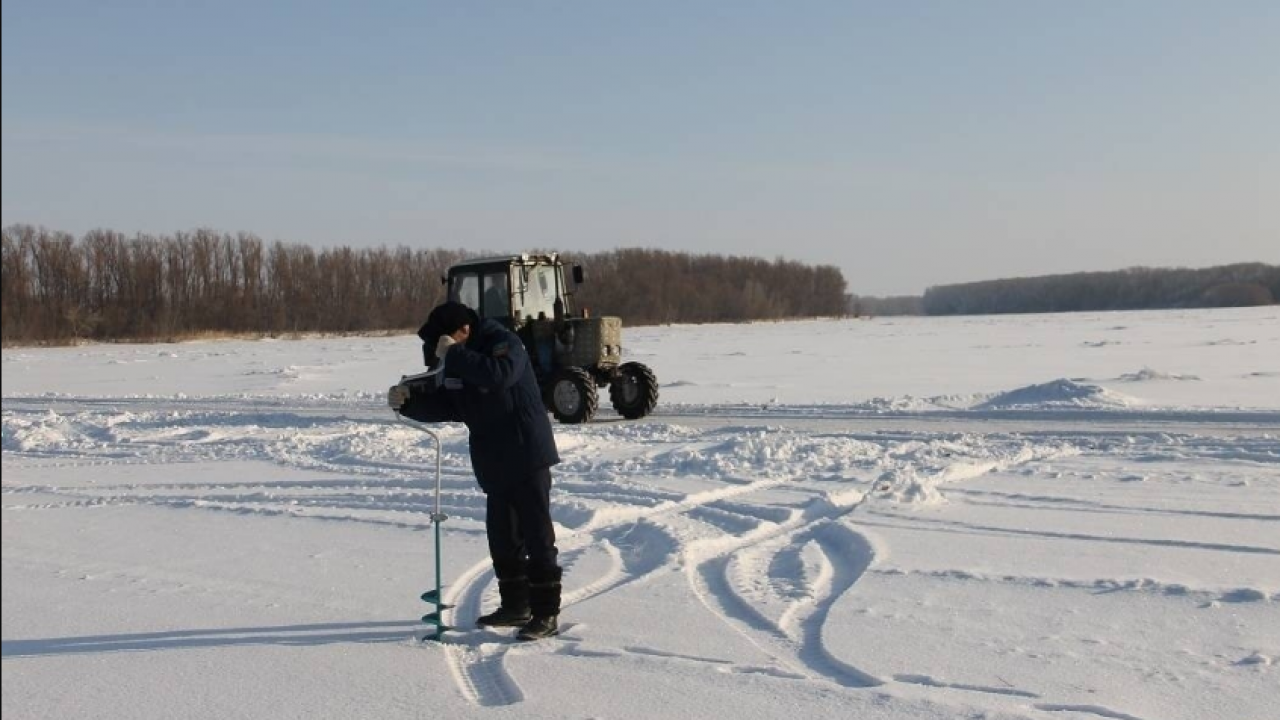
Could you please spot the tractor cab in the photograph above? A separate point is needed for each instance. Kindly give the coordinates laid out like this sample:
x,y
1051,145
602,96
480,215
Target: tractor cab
x,y
513,290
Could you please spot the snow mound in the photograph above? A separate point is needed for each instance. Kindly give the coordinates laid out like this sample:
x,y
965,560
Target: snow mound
x,y
905,485
1147,373
1057,394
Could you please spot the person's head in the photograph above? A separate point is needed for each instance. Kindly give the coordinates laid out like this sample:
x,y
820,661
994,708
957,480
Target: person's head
x,y
447,319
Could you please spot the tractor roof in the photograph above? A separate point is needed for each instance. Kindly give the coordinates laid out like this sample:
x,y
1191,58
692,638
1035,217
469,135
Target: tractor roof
x,y
521,259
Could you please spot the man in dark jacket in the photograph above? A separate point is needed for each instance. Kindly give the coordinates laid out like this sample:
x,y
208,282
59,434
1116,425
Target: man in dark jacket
x,y
489,384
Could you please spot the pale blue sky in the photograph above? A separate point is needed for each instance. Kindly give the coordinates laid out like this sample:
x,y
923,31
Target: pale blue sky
x,y
907,142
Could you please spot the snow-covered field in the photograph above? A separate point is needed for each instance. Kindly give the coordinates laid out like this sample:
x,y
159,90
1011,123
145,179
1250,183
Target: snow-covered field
x,y
1056,516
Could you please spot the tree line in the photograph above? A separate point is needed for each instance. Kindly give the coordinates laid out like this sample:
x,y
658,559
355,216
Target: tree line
x,y
106,286
56,288
653,287
1139,288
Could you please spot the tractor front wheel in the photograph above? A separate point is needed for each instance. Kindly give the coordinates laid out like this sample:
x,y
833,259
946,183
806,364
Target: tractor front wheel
x,y
572,396
634,391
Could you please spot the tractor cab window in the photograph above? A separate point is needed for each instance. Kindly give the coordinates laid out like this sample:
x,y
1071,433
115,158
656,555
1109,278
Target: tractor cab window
x,y
484,292
466,290
496,302
539,288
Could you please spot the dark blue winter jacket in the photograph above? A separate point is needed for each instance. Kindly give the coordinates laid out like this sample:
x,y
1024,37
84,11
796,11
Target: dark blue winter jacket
x,y
499,400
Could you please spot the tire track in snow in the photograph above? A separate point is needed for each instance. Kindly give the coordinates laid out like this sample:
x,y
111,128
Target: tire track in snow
x,y
480,672
480,676
1024,501
803,650
844,556
847,554
794,643
1089,710
972,528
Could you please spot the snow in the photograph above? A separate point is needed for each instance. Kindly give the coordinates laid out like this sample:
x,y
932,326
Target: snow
x,y
1053,516
1059,393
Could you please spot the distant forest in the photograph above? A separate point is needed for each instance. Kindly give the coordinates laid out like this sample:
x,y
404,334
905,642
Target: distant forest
x,y
1139,288
1241,285
106,286
56,288
651,287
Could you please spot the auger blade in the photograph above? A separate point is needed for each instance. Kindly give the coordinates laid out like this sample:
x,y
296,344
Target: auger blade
x,y
433,596
435,619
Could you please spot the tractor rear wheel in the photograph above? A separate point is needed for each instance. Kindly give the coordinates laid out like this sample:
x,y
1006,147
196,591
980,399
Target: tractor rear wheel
x,y
634,391
572,396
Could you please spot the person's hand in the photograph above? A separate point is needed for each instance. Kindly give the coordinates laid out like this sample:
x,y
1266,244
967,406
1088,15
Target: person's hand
x,y
397,396
443,344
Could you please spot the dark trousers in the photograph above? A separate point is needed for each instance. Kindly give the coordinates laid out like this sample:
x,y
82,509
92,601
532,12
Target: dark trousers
x,y
518,523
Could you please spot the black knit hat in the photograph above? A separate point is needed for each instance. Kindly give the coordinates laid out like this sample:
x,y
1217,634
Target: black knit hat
x,y
446,319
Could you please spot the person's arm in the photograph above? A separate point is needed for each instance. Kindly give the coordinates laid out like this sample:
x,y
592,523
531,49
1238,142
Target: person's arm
x,y
498,369
424,402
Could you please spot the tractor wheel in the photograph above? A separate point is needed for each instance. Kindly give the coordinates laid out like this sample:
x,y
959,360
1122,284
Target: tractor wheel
x,y
572,396
634,391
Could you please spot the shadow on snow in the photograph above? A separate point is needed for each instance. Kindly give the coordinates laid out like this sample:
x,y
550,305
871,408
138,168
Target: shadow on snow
x,y
288,635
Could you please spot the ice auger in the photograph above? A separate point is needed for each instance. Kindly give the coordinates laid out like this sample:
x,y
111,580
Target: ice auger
x,y
432,597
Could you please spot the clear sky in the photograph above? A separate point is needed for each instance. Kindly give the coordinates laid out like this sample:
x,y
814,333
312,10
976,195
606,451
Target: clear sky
x,y
908,142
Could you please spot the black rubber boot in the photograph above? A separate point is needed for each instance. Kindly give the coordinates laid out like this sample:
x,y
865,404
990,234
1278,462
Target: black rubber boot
x,y
544,602
505,617
514,611
540,626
